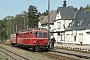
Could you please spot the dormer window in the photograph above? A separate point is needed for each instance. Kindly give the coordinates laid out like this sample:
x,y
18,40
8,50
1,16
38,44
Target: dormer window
x,y
78,24
70,24
81,22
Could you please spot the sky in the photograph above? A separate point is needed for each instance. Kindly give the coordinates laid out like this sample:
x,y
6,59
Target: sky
x,y
13,7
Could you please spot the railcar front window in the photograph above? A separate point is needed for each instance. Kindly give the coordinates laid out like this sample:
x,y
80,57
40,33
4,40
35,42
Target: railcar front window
x,y
36,34
44,35
40,35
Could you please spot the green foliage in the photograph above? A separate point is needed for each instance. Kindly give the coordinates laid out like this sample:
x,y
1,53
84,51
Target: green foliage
x,y
3,57
81,8
45,13
5,27
9,28
20,22
76,9
32,16
64,3
87,8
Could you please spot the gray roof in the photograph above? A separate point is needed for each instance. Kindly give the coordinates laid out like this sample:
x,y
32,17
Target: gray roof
x,y
66,12
41,18
44,19
32,29
83,19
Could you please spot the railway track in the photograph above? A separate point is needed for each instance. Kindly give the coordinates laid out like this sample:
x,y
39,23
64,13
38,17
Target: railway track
x,y
11,55
78,54
62,54
56,56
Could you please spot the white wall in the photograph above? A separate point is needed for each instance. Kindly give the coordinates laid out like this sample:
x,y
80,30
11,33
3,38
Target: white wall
x,y
70,39
63,23
66,22
39,24
58,16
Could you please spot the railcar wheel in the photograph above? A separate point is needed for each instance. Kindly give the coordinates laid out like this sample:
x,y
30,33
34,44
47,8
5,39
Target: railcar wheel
x,y
12,44
33,48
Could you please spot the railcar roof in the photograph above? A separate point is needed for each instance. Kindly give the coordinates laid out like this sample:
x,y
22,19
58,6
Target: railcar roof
x,y
15,33
32,29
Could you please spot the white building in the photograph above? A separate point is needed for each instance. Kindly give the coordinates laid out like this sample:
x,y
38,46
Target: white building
x,y
65,15
79,30
43,21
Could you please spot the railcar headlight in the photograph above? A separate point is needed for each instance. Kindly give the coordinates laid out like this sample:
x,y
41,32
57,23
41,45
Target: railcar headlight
x,y
35,42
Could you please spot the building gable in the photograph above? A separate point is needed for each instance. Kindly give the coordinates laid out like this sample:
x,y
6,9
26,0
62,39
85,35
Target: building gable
x,y
81,21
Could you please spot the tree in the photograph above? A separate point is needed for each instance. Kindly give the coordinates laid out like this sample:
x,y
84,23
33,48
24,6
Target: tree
x,y
24,14
45,13
9,28
64,3
21,21
33,16
3,34
6,27
87,8
39,14
76,9
18,23
81,8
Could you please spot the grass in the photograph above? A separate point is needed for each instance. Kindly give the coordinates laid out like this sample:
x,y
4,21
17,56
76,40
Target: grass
x,y
3,58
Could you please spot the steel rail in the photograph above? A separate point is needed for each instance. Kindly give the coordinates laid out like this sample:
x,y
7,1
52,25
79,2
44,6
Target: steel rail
x,y
13,53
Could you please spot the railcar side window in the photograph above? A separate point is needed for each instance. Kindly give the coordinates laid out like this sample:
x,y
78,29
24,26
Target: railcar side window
x,y
35,34
40,35
44,35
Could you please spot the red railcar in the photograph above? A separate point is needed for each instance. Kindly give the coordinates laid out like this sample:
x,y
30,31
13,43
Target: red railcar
x,y
35,38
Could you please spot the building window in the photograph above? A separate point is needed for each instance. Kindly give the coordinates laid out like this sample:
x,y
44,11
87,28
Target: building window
x,y
68,37
74,38
71,37
58,33
58,25
44,25
80,37
70,24
81,22
78,24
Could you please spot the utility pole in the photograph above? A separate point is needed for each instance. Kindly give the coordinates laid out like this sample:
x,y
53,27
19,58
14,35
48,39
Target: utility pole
x,y
24,22
48,23
48,14
13,25
16,28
